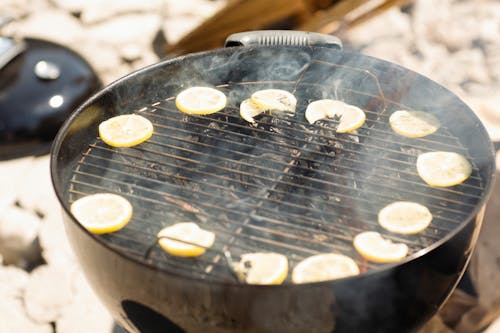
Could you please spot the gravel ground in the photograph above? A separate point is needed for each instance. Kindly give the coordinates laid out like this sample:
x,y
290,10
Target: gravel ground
x,y
456,43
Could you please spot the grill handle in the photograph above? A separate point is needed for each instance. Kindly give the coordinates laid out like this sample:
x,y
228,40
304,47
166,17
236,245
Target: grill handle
x,y
283,37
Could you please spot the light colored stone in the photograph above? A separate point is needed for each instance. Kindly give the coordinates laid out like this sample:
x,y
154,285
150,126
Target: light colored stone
x,y
178,26
19,9
196,8
48,292
11,177
488,111
489,29
8,198
13,280
431,54
52,24
131,52
126,29
101,55
399,54
492,53
13,318
86,313
18,231
438,21
461,67
454,39
97,10
72,6
147,58
56,249
481,20
375,29
422,21
183,16
494,327
35,191
110,76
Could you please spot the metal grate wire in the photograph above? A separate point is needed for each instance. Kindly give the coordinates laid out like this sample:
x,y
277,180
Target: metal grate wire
x,y
282,185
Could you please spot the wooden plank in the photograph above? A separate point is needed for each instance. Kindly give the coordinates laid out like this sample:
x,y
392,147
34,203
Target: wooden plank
x,y
244,15
347,13
239,16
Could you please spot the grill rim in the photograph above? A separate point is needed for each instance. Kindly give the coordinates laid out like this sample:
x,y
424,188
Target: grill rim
x,y
59,141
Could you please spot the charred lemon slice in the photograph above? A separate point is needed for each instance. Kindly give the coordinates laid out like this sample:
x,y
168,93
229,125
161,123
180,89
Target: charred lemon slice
x,y
185,239
324,267
263,268
274,99
351,117
405,217
200,100
126,130
413,124
248,110
372,246
443,169
102,212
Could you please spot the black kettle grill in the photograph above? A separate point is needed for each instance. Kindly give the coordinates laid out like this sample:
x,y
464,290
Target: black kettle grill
x,y
281,185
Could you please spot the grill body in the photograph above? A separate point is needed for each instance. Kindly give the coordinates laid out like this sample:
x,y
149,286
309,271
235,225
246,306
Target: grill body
x,y
397,299
160,293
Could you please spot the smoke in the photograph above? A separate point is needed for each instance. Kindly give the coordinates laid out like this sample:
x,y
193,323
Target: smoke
x,y
283,185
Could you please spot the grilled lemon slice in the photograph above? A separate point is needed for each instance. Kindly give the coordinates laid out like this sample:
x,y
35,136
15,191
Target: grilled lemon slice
x,y
126,130
351,117
443,169
413,124
185,239
263,268
248,110
274,99
200,100
102,212
372,246
324,267
405,217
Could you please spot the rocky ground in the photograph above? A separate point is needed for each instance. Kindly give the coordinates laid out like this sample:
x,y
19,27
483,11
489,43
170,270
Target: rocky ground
x,y
454,42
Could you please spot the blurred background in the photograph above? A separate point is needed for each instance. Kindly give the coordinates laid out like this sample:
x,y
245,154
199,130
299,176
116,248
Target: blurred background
x,y
454,42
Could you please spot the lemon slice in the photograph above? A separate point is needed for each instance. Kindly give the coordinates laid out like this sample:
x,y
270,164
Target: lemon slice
x,y
413,124
248,110
200,100
372,246
405,217
102,212
263,268
126,130
443,169
323,267
189,236
351,117
274,99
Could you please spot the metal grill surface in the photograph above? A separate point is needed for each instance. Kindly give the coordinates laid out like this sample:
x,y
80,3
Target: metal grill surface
x,y
282,185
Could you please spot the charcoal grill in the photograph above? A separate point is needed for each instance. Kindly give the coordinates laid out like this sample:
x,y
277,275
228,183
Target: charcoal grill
x,y
281,185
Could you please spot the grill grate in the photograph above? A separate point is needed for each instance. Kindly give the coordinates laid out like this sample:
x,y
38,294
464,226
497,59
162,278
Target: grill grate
x,y
283,185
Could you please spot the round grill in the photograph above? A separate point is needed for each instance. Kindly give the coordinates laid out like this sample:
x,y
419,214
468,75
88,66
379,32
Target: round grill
x,y
284,185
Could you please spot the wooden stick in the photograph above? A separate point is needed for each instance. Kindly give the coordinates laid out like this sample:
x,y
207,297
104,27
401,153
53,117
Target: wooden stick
x,y
343,15
379,10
